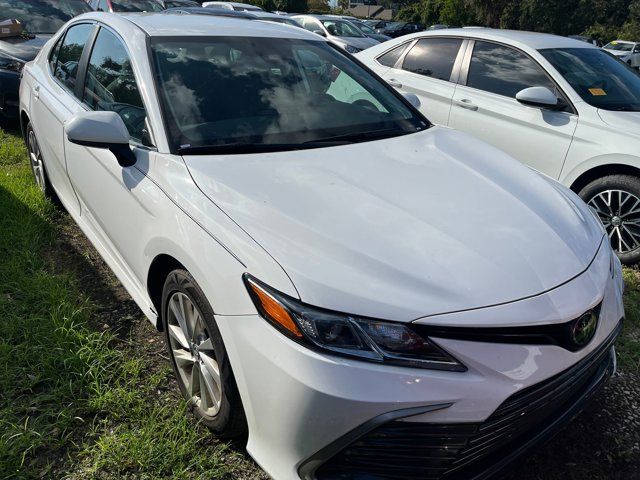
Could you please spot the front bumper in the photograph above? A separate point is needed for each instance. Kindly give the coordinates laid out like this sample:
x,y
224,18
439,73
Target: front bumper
x,y
305,408
9,98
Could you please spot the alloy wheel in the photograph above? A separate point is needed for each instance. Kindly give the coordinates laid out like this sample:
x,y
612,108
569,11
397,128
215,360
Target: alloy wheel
x,y
193,353
619,212
37,164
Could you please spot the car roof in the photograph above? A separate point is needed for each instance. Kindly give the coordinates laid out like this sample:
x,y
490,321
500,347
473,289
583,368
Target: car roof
x,y
519,38
159,24
221,12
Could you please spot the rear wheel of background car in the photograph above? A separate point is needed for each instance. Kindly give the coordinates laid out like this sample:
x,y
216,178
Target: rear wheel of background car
x,y
37,164
199,357
616,200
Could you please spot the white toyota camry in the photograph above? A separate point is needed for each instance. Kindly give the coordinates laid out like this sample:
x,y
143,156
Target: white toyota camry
x,y
368,295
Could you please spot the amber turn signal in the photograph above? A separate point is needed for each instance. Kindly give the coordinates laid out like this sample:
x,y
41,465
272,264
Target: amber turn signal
x,y
273,310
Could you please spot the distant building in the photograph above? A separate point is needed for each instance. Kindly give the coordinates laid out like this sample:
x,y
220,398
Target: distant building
x,y
360,9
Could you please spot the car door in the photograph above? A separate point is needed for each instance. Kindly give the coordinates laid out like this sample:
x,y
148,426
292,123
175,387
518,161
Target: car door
x,y
426,69
484,105
113,198
54,102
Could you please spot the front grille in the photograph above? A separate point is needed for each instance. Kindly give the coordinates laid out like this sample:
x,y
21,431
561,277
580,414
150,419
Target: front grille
x,y
407,451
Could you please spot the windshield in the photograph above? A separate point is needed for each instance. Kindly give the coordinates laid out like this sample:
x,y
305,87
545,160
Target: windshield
x,y
136,6
394,26
599,78
285,20
240,94
366,29
42,16
341,28
619,46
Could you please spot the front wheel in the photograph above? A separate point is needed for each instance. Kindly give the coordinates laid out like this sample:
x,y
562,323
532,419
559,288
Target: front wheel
x,y
616,200
199,357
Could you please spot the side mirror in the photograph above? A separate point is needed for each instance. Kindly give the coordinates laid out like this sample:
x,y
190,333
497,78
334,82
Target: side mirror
x,y
322,33
540,97
102,130
412,98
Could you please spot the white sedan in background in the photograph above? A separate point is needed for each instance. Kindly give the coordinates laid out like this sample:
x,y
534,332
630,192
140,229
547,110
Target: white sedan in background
x,y
564,107
628,52
368,295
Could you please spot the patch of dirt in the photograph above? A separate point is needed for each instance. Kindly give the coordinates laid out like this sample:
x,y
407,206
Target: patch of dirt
x,y
603,442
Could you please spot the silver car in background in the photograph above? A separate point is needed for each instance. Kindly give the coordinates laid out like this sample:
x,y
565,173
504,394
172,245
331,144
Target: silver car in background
x,y
338,31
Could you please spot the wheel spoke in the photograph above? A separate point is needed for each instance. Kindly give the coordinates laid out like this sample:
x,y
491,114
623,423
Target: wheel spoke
x,y
183,357
176,333
211,374
178,312
206,346
194,382
205,400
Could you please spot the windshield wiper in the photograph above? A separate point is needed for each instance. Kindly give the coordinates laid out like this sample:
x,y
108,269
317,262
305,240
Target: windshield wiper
x,y
241,148
363,136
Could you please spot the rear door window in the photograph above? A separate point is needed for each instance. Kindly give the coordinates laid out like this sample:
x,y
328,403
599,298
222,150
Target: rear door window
x,y
433,57
390,58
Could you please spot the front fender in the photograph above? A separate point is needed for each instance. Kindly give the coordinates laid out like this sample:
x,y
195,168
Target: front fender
x,y
569,177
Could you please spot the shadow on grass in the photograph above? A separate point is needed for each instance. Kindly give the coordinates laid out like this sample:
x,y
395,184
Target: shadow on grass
x,y
81,394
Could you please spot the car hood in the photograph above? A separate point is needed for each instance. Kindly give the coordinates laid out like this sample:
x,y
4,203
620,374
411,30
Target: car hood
x,y
361,43
379,37
627,121
617,53
23,48
401,228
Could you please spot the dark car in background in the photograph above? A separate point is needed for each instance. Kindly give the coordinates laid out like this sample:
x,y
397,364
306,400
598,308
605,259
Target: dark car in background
x,y
398,29
39,20
178,3
126,5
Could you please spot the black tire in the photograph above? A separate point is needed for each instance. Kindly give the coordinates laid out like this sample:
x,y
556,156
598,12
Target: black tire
x,y
43,182
597,191
229,422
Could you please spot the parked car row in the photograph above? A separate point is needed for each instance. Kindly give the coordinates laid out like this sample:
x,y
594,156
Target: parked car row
x,y
363,292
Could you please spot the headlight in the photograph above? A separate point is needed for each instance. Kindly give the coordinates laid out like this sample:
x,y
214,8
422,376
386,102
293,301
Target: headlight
x,y
11,64
351,49
363,338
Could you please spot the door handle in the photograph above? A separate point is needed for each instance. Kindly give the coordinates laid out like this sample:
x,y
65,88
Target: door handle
x,y
36,92
394,83
466,103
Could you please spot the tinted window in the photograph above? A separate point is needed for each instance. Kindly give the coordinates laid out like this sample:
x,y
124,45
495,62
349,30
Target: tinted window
x,y
390,58
600,79
42,16
53,57
503,70
341,28
103,6
278,94
135,6
111,85
433,57
70,53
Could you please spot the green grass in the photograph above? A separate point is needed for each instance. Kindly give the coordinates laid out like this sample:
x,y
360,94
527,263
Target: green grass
x,y
76,402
